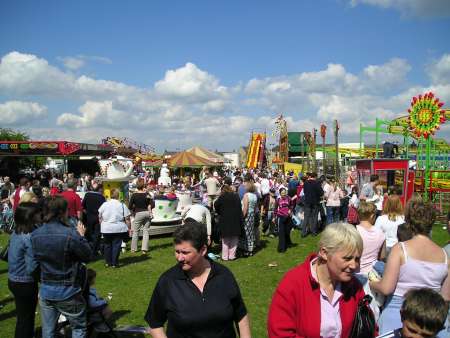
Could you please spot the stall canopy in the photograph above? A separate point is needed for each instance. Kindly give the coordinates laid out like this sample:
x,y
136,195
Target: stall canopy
x,y
52,148
207,154
186,159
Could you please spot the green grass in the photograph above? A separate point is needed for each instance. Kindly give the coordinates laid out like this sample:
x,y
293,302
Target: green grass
x,y
132,284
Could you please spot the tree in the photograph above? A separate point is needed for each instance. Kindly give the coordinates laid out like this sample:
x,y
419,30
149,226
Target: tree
x,y
11,165
8,134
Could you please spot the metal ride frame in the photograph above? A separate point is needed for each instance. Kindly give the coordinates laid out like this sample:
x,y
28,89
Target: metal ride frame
x,y
431,154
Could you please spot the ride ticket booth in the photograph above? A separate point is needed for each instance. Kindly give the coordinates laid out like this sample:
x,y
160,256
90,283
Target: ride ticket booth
x,y
392,172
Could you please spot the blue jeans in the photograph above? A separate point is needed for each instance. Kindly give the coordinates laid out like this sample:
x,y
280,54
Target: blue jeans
x,y
112,247
74,309
332,215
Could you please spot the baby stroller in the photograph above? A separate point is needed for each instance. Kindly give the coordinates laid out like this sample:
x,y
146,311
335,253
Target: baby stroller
x,y
97,324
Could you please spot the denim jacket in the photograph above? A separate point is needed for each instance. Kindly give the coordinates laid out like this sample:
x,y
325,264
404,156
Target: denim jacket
x,y
60,250
21,262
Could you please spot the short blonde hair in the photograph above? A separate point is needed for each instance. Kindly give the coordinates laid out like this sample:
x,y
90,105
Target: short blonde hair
x,y
115,194
341,236
27,197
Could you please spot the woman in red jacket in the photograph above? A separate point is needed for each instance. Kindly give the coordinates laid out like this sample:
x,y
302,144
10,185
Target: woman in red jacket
x,y
319,298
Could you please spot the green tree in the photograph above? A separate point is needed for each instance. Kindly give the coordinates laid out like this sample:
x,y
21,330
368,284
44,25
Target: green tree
x,y
8,134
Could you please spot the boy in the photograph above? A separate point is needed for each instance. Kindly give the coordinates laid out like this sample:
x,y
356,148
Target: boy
x,y
423,314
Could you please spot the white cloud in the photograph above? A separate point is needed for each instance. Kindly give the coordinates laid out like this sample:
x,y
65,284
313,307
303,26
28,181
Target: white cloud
x,y
189,105
190,82
417,8
15,113
76,62
439,70
72,63
388,75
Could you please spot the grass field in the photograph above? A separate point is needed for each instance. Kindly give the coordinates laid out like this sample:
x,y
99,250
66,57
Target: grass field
x,y
132,284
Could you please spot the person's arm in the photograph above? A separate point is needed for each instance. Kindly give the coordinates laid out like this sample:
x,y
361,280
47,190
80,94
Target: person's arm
x,y
157,332
244,327
245,205
445,290
31,263
79,245
386,285
382,253
282,319
156,313
208,224
79,207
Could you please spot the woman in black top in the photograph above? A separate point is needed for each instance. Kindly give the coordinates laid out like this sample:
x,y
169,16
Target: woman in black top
x,y
231,220
197,297
141,207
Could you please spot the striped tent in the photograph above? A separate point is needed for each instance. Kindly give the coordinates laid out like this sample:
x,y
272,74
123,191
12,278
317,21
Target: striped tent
x,y
187,159
205,153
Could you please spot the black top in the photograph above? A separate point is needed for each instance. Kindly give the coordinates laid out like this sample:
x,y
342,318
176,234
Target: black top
x,y
192,314
313,192
139,201
231,220
91,203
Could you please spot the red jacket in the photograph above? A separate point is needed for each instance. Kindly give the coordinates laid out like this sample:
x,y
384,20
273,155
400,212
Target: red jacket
x,y
295,308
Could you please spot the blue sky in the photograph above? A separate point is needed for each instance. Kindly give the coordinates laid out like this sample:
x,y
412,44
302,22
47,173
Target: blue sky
x,y
177,73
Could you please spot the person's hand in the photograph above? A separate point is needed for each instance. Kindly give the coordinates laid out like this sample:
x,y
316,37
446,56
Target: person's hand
x,y
81,228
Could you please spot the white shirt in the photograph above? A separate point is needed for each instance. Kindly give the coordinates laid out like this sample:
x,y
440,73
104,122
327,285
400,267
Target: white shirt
x,y
200,213
113,214
389,228
212,186
265,186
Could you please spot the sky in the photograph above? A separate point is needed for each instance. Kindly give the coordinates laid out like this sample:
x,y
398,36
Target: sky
x,y
173,74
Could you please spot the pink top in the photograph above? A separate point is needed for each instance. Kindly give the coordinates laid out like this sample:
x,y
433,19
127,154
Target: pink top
x,y
330,318
333,196
415,274
373,240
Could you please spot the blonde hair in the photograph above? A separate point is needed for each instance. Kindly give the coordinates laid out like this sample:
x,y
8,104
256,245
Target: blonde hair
x,y
45,192
27,197
115,194
393,207
366,210
341,236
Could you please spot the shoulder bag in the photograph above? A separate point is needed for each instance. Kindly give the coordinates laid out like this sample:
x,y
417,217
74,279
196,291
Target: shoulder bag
x,y
364,323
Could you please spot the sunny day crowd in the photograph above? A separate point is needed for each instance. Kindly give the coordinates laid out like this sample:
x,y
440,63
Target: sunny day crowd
x,y
376,270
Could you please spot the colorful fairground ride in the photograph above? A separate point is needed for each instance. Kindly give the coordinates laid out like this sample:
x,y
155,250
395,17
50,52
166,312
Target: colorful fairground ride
x,y
127,147
421,162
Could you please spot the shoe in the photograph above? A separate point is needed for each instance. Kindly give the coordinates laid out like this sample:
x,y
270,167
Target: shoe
x,y
143,252
115,266
106,265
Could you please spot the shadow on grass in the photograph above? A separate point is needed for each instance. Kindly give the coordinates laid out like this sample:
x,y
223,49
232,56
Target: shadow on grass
x,y
133,259
118,314
7,315
162,246
5,301
3,271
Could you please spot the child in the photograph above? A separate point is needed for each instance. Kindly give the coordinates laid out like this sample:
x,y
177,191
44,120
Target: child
x,y
283,213
98,307
423,314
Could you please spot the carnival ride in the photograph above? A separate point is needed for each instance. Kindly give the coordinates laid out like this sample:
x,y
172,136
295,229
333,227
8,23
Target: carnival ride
x,y
428,155
256,150
127,147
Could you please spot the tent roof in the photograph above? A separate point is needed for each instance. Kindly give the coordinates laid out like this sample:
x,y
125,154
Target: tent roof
x,y
205,153
187,159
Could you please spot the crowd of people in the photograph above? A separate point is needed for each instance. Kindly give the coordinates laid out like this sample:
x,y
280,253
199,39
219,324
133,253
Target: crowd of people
x,y
369,245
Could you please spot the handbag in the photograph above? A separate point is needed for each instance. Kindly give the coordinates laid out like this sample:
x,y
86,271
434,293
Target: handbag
x,y
352,215
364,323
4,253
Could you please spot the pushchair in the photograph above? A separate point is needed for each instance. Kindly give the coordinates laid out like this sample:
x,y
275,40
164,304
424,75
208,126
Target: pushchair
x,y
97,324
